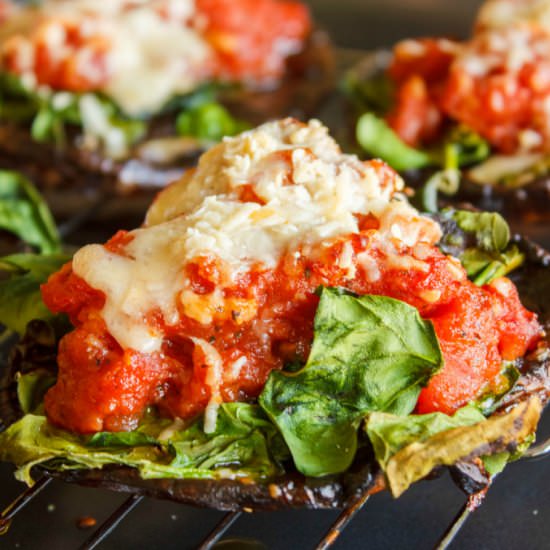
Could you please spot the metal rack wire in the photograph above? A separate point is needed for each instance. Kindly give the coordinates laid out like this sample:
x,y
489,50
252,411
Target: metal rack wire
x,y
215,535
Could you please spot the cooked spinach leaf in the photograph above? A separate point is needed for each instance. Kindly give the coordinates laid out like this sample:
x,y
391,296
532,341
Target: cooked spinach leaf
x,y
245,443
373,94
409,448
110,440
463,147
208,121
24,213
481,240
244,437
32,440
379,140
20,298
389,433
369,353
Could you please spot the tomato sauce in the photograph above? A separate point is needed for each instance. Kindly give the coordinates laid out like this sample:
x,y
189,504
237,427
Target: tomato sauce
x,y
497,84
419,69
252,38
511,96
267,319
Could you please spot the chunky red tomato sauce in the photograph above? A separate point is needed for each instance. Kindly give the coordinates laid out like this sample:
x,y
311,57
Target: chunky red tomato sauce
x,y
497,84
419,69
253,37
250,40
268,318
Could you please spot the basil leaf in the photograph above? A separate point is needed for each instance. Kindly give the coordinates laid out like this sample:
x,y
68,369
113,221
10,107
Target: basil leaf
x,y
24,212
464,147
379,140
373,94
244,438
410,448
490,228
120,439
370,353
20,297
208,121
481,241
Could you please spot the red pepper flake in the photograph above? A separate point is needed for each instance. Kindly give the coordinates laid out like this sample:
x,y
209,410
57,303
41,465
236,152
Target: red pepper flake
x,y
85,522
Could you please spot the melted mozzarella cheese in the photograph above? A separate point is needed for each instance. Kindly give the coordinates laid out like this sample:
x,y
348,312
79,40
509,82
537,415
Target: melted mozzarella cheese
x,y
152,53
511,47
213,379
310,191
151,60
503,13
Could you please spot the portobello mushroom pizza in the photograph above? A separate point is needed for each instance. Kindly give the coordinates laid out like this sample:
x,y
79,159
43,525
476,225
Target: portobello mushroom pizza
x,y
123,92
283,330
479,105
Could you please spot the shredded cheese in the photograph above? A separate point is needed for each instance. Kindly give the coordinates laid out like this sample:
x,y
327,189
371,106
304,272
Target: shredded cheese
x,y
309,193
213,379
151,52
503,13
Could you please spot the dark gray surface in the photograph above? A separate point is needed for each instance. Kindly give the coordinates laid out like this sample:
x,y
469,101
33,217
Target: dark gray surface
x,y
371,23
514,516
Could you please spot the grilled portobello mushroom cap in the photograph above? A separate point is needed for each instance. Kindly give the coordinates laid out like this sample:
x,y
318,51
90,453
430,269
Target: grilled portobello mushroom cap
x,y
37,350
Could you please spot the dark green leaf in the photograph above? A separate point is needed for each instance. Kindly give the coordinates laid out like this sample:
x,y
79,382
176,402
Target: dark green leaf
x,y
244,438
490,228
204,94
371,353
464,147
25,213
373,94
20,298
481,241
120,439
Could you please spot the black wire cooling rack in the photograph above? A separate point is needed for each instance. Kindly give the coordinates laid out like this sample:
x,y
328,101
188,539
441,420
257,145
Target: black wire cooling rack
x,y
18,505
